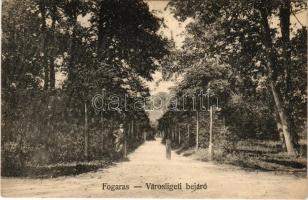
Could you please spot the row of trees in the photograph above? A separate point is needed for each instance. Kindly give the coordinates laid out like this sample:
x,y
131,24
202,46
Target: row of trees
x,y
57,55
258,70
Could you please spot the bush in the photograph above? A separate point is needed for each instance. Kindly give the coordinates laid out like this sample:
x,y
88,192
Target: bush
x,y
39,129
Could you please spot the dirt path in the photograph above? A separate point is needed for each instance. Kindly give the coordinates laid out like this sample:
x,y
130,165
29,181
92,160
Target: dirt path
x,y
148,165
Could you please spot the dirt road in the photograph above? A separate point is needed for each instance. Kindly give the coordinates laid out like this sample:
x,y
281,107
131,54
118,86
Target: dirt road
x,y
149,165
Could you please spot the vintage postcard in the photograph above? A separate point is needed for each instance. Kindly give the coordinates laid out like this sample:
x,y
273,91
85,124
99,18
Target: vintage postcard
x,y
193,99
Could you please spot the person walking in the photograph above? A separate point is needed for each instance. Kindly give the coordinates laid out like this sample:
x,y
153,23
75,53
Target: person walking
x,y
168,145
120,141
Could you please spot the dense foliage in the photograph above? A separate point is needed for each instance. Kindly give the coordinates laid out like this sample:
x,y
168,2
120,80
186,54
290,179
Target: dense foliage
x,y
257,70
56,56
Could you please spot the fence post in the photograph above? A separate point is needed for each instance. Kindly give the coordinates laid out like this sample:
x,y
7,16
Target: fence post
x,y
211,134
197,130
86,131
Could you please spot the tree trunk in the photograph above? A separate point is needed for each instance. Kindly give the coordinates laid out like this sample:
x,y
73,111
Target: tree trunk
x,y
211,134
284,15
175,133
284,121
188,134
52,75
197,130
125,146
132,130
129,130
73,46
273,71
42,8
102,137
86,133
179,133
280,132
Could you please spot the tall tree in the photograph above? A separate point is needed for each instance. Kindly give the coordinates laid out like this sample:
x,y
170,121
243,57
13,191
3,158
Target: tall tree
x,y
242,37
127,31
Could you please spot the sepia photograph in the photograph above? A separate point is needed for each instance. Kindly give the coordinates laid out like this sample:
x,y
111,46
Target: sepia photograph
x,y
178,99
